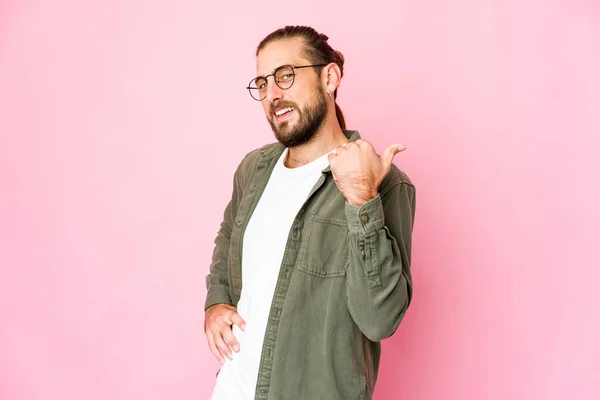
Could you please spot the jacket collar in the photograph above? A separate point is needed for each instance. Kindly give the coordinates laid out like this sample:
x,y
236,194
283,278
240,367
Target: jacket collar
x,y
276,149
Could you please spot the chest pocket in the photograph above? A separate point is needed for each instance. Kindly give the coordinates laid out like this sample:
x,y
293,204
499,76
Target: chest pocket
x,y
324,250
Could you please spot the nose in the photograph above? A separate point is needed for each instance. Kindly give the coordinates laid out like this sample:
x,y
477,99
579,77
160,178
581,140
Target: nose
x,y
274,92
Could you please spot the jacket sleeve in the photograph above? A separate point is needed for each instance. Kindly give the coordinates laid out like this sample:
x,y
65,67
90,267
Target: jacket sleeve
x,y
379,282
217,281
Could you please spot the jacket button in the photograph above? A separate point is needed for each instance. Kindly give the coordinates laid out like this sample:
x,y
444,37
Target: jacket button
x,y
364,218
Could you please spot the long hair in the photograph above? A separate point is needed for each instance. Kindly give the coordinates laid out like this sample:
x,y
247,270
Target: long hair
x,y
316,50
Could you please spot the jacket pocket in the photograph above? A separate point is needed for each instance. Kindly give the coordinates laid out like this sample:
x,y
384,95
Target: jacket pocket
x,y
324,250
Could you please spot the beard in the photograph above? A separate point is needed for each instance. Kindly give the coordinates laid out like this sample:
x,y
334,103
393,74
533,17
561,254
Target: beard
x,y
309,120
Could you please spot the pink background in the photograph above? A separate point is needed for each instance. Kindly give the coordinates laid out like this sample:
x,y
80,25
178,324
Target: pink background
x,y
121,123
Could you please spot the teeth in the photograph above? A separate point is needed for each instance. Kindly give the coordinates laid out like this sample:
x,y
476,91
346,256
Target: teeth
x,y
283,111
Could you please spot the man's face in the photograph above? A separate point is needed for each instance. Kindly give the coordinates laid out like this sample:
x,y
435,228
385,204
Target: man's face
x,y
295,114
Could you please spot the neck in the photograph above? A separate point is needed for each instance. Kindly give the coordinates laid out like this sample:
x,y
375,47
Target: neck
x,y
327,138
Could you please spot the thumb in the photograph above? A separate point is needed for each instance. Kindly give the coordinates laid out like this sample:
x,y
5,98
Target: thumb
x,y
389,153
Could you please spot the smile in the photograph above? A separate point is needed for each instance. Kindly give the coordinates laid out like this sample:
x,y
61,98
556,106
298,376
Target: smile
x,y
282,113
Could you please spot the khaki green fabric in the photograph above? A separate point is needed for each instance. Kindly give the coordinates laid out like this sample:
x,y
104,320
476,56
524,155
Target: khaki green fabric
x,y
344,283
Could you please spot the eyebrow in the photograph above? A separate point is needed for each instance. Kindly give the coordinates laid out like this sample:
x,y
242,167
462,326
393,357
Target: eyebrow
x,y
272,72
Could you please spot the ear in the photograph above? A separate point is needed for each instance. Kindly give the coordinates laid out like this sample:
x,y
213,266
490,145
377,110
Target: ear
x,y
332,74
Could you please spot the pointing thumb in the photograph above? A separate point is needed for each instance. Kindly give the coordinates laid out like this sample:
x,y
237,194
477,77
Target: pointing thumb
x,y
390,152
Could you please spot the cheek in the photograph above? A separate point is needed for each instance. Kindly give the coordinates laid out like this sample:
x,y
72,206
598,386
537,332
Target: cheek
x,y
265,107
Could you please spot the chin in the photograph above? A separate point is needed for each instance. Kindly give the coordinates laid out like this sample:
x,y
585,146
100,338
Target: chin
x,y
283,129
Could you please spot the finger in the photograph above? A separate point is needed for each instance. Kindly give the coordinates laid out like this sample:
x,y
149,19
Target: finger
x,y
389,153
351,145
363,144
213,348
341,149
239,321
231,340
221,345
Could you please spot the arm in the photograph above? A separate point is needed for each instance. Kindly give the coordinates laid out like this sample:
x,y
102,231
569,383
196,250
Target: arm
x,y
217,281
220,314
379,283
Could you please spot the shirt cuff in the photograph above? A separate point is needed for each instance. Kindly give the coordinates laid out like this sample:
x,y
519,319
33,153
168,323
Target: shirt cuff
x,y
366,219
216,297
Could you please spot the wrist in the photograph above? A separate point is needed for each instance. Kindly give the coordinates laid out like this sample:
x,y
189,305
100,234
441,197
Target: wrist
x,y
358,199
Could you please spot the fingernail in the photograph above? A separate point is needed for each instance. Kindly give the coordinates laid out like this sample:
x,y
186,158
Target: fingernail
x,y
229,356
236,348
243,326
401,147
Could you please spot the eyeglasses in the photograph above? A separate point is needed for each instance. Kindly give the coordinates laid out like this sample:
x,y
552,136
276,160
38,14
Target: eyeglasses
x,y
283,76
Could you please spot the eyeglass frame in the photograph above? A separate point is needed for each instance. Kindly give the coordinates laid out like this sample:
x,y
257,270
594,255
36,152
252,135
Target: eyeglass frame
x,y
266,78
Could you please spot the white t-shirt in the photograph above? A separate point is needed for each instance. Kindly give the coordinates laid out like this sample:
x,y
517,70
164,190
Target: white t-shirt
x,y
264,243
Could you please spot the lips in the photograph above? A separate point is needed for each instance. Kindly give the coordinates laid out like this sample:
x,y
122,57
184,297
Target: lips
x,y
281,113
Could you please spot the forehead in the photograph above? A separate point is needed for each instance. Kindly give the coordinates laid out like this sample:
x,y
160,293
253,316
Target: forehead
x,y
280,52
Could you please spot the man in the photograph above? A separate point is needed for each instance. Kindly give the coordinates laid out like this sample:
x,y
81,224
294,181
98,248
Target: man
x,y
311,268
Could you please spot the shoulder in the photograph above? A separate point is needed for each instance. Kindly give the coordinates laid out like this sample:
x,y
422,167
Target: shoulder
x,y
247,164
398,194
396,178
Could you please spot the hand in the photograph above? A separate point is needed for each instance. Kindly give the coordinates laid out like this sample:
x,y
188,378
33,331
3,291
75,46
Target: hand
x,y
218,320
358,170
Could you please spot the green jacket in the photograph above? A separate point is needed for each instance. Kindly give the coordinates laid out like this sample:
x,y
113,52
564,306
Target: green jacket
x,y
344,283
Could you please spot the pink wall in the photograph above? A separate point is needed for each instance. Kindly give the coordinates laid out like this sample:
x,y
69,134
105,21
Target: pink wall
x,y
121,123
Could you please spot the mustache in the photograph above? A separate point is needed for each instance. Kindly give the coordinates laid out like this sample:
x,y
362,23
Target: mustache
x,y
282,104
